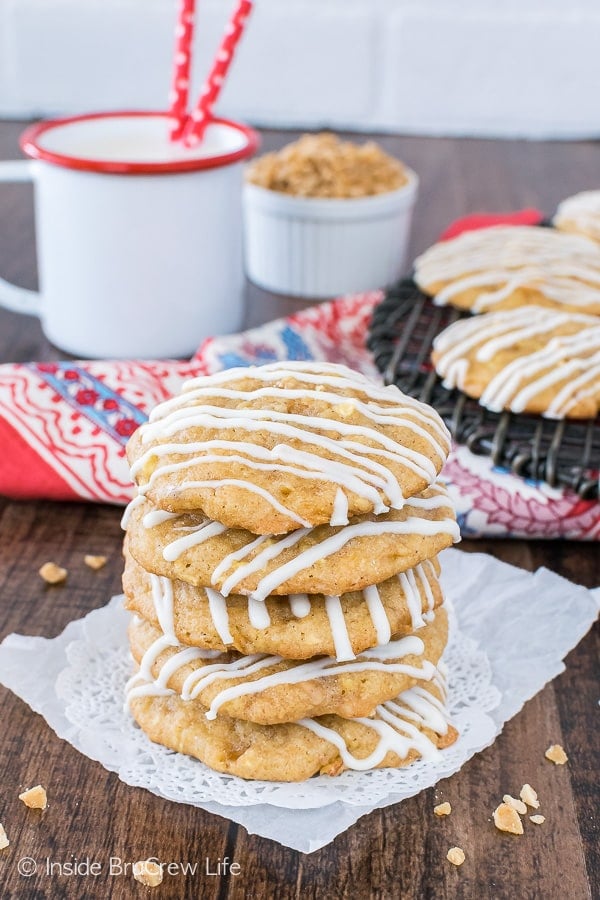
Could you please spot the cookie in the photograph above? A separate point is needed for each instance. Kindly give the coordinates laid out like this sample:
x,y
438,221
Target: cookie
x,y
413,725
508,266
527,360
580,214
326,559
270,690
288,445
296,627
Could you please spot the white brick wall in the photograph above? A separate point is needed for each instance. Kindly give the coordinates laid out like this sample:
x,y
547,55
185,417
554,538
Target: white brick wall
x,y
474,67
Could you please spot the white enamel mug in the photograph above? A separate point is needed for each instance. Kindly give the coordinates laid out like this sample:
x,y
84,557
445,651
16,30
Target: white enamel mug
x,y
138,239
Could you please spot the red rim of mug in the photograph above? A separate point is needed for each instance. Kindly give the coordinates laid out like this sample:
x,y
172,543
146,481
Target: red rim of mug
x,y
30,144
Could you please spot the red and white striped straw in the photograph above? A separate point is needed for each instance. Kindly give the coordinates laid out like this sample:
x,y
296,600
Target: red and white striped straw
x,y
182,65
202,114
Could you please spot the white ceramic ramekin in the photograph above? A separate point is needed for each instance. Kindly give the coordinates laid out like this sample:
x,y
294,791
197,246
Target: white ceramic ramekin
x,y
313,247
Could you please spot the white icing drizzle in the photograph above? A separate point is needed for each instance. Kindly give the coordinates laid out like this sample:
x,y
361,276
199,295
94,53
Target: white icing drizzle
x,y
379,618
572,358
332,544
157,517
397,727
140,683
319,668
318,374
218,611
339,630
581,210
359,476
424,707
428,615
352,467
339,516
197,535
383,658
564,268
162,596
562,358
233,562
133,504
270,552
413,598
253,489
258,614
232,558
300,605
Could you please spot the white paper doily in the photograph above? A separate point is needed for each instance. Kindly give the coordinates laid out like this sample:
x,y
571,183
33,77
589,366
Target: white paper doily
x,y
92,688
514,629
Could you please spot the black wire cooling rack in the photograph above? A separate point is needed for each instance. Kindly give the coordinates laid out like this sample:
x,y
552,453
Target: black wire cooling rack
x,y
563,453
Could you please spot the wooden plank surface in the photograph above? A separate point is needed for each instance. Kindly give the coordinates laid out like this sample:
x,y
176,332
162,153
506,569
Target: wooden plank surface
x,y
396,852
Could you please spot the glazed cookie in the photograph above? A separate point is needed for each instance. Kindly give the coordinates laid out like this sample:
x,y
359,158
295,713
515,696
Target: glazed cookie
x,y
526,360
269,690
287,445
580,214
326,559
413,725
508,266
296,627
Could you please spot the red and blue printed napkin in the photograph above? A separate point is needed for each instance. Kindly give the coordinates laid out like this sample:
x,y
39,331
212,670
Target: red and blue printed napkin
x,y
64,425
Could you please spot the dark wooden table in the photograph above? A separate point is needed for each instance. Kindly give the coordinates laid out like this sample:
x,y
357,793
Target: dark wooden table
x,y
396,852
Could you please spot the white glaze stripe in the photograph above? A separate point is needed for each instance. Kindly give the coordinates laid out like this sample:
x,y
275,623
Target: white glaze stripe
x,y
300,605
384,658
270,582
261,559
397,717
420,570
339,516
564,268
573,358
133,504
339,630
321,550
379,618
522,379
318,374
198,535
413,598
294,676
396,722
581,210
258,614
279,423
343,460
157,517
318,467
253,489
219,615
162,596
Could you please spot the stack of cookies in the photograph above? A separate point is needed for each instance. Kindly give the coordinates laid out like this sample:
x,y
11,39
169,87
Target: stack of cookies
x,y
281,562
535,347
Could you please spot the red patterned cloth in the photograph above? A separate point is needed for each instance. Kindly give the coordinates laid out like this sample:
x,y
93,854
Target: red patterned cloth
x,y
64,425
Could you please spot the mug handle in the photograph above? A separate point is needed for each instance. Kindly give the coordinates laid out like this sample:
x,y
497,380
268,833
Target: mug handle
x,y
12,297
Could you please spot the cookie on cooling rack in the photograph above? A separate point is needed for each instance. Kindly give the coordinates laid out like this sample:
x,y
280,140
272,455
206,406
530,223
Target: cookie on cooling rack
x,y
530,360
326,559
268,690
295,627
580,214
287,445
507,266
413,725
